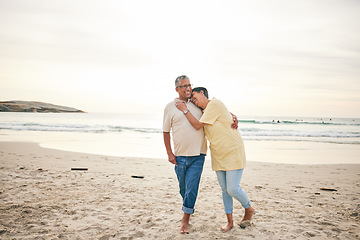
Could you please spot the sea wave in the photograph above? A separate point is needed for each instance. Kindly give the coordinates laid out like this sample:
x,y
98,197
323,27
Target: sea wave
x,y
335,130
72,128
301,122
111,128
294,133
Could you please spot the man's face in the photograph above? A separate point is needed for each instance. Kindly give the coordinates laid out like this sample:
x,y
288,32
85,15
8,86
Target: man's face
x,y
184,89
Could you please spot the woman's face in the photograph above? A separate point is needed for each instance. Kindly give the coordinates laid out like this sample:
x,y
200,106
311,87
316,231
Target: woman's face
x,y
197,98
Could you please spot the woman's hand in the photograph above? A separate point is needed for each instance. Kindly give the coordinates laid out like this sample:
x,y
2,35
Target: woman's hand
x,y
194,122
234,125
181,106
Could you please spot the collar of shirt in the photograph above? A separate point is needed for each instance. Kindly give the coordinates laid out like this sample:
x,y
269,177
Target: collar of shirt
x,y
177,100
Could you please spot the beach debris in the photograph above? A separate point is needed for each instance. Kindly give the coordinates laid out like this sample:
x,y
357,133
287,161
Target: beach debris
x,y
42,170
134,176
105,237
317,193
311,234
79,169
245,224
22,167
328,189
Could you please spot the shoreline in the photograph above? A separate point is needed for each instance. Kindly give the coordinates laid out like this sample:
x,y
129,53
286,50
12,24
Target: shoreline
x,y
41,197
266,151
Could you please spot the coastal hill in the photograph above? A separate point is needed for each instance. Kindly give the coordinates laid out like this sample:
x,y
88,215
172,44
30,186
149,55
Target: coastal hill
x,y
30,106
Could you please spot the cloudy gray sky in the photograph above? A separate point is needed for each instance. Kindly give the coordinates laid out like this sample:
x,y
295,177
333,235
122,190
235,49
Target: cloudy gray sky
x,y
262,58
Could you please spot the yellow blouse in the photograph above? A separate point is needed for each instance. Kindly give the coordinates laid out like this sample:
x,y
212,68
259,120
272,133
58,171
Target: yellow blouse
x,y
226,144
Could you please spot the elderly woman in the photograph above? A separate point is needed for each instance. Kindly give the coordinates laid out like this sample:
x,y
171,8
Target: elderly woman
x,y
227,151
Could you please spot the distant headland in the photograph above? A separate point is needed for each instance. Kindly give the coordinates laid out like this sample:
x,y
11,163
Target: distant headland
x,y
31,106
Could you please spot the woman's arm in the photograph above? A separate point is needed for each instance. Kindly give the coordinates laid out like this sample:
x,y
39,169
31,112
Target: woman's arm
x,y
194,122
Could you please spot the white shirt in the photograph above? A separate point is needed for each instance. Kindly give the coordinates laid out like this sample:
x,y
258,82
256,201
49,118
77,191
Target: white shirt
x,y
187,140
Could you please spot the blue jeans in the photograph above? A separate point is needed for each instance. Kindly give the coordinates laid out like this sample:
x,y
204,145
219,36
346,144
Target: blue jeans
x,y
230,186
188,171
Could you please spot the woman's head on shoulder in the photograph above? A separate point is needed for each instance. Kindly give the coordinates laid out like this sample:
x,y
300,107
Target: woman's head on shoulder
x,y
200,97
201,89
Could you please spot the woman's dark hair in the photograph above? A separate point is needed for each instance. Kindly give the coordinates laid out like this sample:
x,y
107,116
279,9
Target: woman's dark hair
x,y
199,89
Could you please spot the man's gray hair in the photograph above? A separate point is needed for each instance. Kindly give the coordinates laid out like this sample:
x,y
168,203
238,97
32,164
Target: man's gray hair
x,y
179,78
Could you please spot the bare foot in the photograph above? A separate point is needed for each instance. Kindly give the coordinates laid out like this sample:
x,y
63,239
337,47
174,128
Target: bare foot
x,y
245,223
184,229
185,224
227,227
249,212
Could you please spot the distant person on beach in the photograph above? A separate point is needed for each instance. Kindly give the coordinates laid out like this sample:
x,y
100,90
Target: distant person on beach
x,y
189,147
227,151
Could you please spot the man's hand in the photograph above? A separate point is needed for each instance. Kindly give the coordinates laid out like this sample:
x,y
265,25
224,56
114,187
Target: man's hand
x,y
235,123
172,158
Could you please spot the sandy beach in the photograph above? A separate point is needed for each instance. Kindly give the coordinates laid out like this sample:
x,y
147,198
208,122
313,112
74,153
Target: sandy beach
x,y
42,198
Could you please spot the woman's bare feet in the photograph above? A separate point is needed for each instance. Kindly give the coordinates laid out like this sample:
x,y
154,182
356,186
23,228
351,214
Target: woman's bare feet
x,y
249,212
230,223
227,227
245,223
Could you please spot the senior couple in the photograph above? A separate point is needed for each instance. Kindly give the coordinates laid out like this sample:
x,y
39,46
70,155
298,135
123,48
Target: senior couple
x,y
190,117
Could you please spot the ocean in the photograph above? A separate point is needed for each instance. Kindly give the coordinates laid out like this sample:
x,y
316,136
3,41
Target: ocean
x,y
139,135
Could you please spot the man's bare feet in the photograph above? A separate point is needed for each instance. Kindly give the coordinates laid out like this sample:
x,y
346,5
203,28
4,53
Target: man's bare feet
x,y
227,227
185,224
184,229
249,212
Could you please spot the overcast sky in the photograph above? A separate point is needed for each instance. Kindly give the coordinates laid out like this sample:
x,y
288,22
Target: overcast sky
x,y
261,58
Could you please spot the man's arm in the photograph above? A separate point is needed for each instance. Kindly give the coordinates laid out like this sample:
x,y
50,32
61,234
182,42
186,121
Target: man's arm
x,y
171,156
